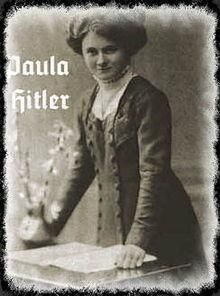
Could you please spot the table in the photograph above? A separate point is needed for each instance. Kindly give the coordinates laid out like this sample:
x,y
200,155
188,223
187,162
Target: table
x,y
32,268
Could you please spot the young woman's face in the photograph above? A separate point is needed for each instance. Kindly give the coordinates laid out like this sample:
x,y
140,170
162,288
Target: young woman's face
x,y
103,57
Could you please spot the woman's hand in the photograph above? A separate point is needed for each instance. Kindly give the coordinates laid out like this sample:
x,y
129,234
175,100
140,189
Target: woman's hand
x,y
130,256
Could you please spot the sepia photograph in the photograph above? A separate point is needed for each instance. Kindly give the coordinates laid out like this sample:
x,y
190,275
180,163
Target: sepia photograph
x,y
110,131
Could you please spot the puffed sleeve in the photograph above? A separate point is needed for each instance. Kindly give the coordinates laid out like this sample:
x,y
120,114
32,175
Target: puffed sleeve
x,y
77,180
154,141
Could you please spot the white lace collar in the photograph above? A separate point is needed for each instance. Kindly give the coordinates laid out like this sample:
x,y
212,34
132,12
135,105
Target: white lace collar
x,y
107,98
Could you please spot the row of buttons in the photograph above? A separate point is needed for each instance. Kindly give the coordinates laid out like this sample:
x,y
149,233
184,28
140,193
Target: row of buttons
x,y
115,172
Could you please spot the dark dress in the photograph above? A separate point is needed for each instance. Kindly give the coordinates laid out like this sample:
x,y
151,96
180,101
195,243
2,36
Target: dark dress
x,y
141,201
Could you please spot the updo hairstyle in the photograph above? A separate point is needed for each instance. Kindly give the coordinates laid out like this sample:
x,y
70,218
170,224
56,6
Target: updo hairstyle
x,y
121,27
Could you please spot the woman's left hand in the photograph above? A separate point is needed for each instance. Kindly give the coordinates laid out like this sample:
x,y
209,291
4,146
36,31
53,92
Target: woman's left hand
x,y
130,256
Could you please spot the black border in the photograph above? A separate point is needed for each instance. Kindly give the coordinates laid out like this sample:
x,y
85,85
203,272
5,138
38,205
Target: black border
x,y
5,8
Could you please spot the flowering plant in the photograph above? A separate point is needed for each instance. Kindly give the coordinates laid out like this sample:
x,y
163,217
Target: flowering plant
x,y
36,194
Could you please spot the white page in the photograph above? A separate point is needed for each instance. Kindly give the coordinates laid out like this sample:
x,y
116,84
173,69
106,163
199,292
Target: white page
x,y
46,255
93,261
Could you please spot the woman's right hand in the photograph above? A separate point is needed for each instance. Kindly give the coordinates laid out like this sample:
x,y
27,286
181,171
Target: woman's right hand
x,y
130,256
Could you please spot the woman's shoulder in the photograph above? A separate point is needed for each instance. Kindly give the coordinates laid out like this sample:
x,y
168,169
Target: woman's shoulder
x,y
142,86
146,93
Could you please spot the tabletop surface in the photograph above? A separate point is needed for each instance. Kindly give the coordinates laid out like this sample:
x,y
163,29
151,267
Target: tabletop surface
x,y
35,267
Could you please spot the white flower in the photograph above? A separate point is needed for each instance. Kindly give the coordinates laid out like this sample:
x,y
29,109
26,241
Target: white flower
x,y
55,171
76,154
48,165
53,151
21,195
61,139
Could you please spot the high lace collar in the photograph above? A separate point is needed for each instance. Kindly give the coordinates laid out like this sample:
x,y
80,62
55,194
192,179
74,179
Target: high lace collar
x,y
117,83
107,100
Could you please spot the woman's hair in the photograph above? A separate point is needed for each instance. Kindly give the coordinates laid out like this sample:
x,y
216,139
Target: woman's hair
x,y
121,27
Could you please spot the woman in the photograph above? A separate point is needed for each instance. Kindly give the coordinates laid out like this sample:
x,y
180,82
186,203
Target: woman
x,y
123,136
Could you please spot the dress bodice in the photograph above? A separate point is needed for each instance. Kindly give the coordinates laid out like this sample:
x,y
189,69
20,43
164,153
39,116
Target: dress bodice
x,y
109,231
